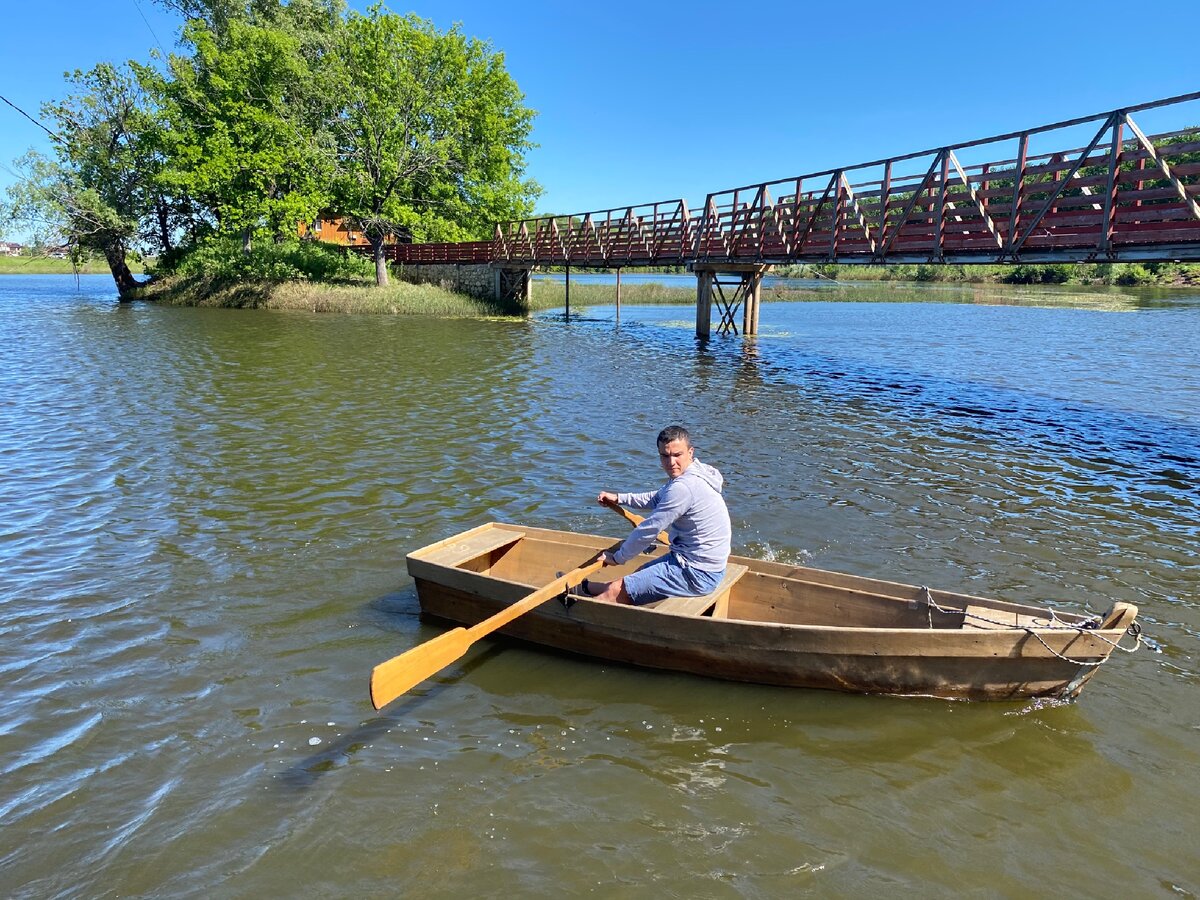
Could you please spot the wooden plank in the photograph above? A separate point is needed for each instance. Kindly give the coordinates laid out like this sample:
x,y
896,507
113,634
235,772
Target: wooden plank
x,y
467,547
986,619
697,606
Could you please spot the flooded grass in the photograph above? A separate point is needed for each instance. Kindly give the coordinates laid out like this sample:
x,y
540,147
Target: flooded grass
x,y
399,298
549,294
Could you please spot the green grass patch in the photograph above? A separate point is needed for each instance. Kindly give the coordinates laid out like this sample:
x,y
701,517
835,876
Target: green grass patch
x,y
398,298
552,294
44,265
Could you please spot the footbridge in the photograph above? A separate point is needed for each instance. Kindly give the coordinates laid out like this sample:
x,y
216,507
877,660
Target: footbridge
x,y
1093,189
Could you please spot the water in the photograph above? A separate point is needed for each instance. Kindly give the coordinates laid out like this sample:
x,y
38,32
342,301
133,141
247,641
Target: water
x,y
203,520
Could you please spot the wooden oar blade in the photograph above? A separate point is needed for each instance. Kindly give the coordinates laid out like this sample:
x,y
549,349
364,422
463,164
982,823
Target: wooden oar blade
x,y
393,677
401,673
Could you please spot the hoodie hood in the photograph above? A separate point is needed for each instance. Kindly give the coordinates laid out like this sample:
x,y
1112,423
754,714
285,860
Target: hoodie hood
x,y
706,473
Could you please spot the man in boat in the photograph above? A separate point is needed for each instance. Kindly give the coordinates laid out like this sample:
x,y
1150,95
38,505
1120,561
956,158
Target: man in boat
x,y
690,508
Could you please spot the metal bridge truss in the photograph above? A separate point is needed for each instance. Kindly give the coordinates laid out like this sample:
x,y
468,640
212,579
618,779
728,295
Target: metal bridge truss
x,y
1122,196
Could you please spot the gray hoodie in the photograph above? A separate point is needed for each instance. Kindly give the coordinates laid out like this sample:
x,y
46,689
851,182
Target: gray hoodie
x,y
692,511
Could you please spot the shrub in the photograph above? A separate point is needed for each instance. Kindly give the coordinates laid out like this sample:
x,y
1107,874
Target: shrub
x,y
1132,273
222,261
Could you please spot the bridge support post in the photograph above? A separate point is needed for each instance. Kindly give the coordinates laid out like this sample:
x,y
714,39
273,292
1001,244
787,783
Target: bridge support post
x,y
513,285
752,293
704,281
745,296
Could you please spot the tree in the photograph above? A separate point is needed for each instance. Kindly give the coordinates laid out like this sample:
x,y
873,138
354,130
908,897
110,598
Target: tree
x,y
431,133
95,193
247,138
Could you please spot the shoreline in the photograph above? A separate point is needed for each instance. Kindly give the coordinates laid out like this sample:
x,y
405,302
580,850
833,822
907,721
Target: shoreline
x,y
408,299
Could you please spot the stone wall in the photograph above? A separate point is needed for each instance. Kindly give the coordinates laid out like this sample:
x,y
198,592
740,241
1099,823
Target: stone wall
x,y
473,279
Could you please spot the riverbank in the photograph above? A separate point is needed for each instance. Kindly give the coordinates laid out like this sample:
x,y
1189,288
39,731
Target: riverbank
x,y
398,298
45,265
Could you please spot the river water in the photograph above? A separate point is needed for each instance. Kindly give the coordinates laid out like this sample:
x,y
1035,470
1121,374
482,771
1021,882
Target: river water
x,y
203,522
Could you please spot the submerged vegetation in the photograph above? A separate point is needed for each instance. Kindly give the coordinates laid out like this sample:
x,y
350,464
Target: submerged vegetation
x,y
1164,273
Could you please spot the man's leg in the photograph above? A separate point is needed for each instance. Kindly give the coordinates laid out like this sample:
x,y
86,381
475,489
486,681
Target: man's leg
x,y
610,592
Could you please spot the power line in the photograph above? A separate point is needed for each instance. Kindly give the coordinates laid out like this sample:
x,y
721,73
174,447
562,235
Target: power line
x,y
150,28
30,118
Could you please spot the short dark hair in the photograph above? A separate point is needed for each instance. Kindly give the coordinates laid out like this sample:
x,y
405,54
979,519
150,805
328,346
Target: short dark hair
x,y
674,433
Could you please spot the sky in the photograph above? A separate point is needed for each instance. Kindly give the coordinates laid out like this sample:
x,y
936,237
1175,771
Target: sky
x,y
646,101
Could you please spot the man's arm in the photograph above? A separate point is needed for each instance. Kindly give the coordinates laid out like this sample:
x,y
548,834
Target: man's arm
x,y
641,500
672,504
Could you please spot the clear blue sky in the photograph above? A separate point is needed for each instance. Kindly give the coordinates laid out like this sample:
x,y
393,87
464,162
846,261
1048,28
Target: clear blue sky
x,y
650,101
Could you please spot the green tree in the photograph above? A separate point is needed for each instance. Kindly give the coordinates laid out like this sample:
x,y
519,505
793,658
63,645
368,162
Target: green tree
x,y
97,191
247,140
431,133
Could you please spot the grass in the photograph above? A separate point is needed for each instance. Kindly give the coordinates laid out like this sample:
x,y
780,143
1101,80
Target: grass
x,y
551,294
44,265
399,298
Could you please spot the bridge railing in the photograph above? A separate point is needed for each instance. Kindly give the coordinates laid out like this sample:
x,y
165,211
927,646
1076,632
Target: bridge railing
x,y
1122,195
660,233
1091,188
464,252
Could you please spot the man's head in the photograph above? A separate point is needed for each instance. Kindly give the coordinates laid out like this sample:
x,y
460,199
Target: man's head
x,y
675,451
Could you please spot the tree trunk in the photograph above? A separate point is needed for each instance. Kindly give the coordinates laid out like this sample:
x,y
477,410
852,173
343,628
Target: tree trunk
x,y
381,275
247,240
164,225
114,254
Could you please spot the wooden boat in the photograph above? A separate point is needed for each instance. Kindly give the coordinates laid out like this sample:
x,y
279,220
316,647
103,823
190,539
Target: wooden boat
x,y
772,623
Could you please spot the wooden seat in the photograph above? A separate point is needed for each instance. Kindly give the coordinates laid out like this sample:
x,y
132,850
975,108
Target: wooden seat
x,y
698,606
456,552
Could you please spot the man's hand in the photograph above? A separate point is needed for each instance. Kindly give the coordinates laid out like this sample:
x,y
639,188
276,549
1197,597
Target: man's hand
x,y
606,497
607,558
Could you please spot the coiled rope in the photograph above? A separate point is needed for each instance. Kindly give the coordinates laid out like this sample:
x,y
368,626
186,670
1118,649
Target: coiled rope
x,y
1054,623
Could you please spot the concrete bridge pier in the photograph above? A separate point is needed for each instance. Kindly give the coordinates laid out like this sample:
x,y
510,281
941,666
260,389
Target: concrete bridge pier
x,y
736,287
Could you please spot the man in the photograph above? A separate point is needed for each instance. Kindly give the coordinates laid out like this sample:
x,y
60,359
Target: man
x,y
692,511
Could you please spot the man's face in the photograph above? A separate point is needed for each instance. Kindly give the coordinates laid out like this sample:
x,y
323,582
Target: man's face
x,y
675,457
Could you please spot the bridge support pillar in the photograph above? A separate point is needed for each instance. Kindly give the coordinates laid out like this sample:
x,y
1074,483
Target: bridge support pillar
x,y
513,285
737,287
704,283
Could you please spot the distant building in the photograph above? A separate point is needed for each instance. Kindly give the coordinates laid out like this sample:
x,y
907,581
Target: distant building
x,y
8,248
333,229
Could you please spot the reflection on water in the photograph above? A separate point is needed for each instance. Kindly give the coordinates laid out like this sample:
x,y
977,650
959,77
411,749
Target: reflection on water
x,y
203,521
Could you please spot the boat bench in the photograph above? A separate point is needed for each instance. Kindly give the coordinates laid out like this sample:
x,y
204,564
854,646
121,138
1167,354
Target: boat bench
x,y
698,606
457,552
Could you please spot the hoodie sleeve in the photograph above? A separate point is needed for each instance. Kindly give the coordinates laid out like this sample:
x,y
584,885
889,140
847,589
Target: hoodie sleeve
x,y
643,500
672,503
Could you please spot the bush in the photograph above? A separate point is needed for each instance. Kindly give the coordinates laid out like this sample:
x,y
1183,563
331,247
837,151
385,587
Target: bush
x,y
1034,274
222,261
1133,273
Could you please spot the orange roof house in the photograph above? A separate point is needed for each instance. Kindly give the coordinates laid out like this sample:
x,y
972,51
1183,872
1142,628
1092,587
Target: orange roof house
x,y
334,229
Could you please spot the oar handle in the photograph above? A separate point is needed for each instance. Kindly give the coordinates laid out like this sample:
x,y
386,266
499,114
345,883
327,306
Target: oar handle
x,y
399,674
632,519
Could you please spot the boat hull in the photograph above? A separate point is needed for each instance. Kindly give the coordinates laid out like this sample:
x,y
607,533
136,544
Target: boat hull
x,y
926,656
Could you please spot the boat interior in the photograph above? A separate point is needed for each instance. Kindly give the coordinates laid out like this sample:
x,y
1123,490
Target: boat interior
x,y
753,590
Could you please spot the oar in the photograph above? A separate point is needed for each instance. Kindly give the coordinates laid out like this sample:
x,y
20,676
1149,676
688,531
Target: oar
x,y
397,675
634,520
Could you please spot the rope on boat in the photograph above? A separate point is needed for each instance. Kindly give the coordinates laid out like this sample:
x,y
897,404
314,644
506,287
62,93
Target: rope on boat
x,y
1054,624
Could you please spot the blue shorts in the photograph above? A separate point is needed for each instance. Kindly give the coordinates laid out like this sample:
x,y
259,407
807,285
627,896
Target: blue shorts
x,y
667,577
